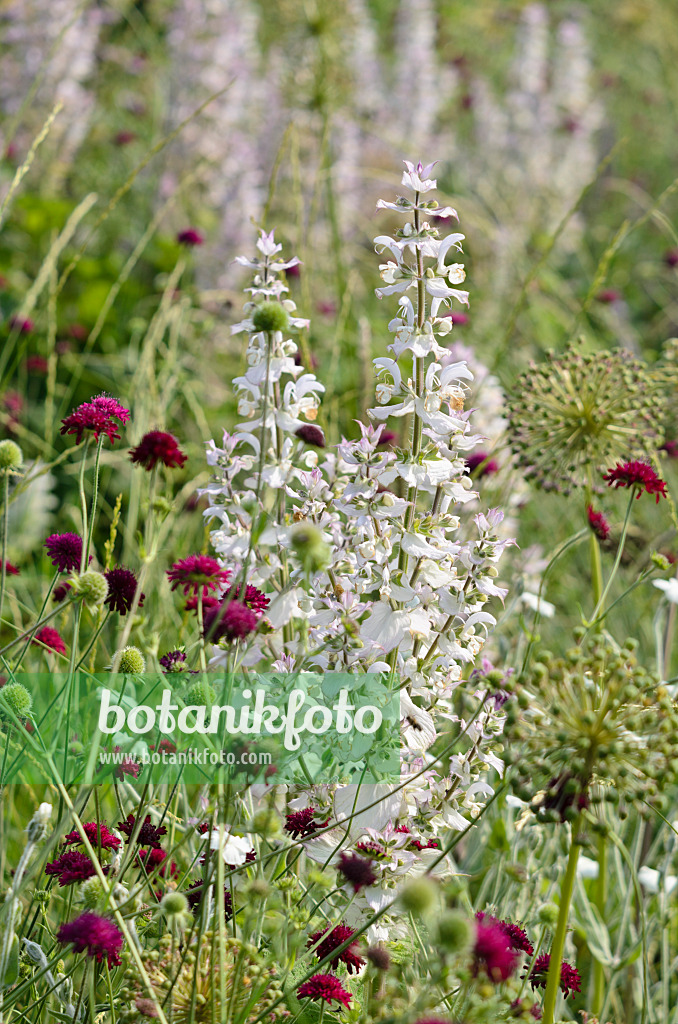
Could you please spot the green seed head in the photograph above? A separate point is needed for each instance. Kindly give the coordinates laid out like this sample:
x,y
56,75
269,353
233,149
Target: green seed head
x,y
310,547
454,932
15,698
132,661
201,694
266,823
91,893
419,896
548,914
11,457
91,587
270,316
174,904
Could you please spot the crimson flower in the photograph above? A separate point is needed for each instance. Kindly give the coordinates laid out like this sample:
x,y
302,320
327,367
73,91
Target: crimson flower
x,y
65,550
148,835
302,823
98,835
570,980
491,952
11,570
190,237
636,474
194,896
356,870
49,637
517,937
333,939
122,586
482,462
230,621
598,523
97,416
310,434
71,867
96,936
128,766
157,446
195,572
326,987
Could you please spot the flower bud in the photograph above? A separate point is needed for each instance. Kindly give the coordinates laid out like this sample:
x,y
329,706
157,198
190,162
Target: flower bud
x,y
38,826
132,661
15,698
270,316
11,457
310,547
201,693
91,893
266,823
174,904
548,914
91,587
418,896
454,932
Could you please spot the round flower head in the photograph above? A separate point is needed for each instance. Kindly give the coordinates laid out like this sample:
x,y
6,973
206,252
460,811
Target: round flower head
x,y
11,457
598,523
325,987
196,572
174,661
310,434
332,940
230,621
131,661
201,694
356,870
482,464
71,867
270,316
148,835
96,936
65,551
122,587
11,570
639,475
516,936
570,981
15,702
190,237
303,823
91,586
48,637
157,446
98,835
96,417
491,952
576,413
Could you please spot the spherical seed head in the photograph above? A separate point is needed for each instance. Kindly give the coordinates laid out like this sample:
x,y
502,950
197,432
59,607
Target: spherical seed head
x,y
266,823
548,914
201,694
174,904
90,892
11,457
132,661
418,896
15,698
91,586
310,547
270,316
455,932
379,957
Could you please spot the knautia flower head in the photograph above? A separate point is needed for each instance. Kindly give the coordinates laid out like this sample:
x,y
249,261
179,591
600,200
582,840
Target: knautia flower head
x,y
96,417
190,237
65,551
638,476
148,834
122,588
575,414
49,637
96,936
598,523
570,981
589,725
155,447
174,661
15,702
131,661
331,940
492,953
11,457
326,987
99,835
197,574
230,621
90,587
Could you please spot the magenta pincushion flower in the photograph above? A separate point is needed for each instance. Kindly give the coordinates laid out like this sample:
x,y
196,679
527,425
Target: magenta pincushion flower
x,y
148,835
157,446
98,417
491,952
49,637
482,462
96,936
128,766
195,572
598,523
332,940
570,980
122,586
356,870
11,570
65,550
302,823
326,987
190,237
310,434
516,936
71,867
98,835
231,621
636,474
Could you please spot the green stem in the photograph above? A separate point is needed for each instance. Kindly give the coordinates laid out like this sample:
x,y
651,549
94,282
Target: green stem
x,y
558,946
5,525
83,503
600,901
620,550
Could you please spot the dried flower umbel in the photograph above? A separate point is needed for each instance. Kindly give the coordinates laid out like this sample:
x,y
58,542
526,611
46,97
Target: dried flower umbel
x,y
576,414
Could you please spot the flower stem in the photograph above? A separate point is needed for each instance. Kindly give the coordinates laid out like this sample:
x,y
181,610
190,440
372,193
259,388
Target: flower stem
x,y
5,526
558,946
620,549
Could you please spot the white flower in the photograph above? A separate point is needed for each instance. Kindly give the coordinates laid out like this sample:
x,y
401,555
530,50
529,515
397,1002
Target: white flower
x,y
670,588
538,604
653,880
233,849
